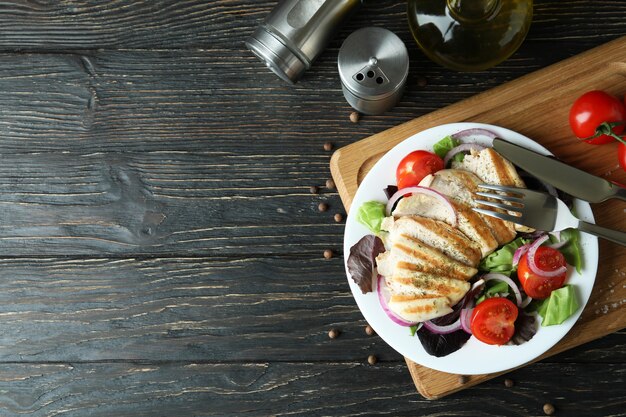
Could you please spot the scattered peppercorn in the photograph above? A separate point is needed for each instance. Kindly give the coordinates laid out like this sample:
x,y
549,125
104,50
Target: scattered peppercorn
x,y
371,359
508,383
369,331
355,116
328,146
463,379
328,254
338,217
322,207
314,189
333,333
548,409
422,81
330,184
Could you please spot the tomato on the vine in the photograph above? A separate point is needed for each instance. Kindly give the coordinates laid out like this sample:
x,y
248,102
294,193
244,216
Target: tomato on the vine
x,y
597,117
493,320
538,286
415,166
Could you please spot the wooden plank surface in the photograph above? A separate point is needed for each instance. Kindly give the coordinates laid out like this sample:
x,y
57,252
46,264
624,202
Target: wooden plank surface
x,y
160,251
262,389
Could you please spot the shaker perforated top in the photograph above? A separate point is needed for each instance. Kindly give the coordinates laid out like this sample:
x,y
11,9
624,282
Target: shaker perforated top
x,y
373,66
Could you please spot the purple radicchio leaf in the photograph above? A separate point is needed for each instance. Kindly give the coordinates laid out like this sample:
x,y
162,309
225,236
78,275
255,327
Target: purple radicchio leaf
x,y
442,344
390,190
362,260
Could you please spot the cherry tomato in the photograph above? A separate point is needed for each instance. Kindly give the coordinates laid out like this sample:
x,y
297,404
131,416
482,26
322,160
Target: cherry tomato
x,y
621,155
536,286
415,166
493,320
592,109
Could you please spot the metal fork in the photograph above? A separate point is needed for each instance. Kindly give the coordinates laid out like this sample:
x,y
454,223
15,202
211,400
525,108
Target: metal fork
x,y
538,210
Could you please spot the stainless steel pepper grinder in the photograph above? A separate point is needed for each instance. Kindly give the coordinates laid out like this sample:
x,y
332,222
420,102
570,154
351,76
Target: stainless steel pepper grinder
x,y
296,32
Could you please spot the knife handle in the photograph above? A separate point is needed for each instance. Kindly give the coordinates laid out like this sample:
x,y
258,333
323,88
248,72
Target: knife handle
x,y
614,236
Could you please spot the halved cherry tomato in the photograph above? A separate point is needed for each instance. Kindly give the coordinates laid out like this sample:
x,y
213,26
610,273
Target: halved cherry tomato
x,y
493,320
536,286
415,166
591,110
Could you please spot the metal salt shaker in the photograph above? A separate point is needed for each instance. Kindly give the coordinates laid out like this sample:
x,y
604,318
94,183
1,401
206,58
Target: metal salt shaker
x,y
373,66
296,32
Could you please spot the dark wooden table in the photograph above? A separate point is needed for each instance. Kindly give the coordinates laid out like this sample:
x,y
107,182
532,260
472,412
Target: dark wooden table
x,y
161,253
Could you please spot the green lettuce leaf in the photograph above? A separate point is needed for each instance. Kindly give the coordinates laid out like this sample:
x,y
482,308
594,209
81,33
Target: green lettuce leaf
x,y
501,261
561,304
371,214
494,287
571,250
442,147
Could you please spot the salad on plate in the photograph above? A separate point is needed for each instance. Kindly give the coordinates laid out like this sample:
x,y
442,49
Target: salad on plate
x,y
437,275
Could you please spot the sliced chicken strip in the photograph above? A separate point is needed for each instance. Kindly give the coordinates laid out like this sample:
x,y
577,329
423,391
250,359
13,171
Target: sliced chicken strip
x,y
419,257
438,235
415,308
418,283
469,222
492,168
461,186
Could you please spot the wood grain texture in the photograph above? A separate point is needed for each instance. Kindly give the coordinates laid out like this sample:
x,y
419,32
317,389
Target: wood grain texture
x,y
173,24
130,284
524,106
286,389
248,309
204,203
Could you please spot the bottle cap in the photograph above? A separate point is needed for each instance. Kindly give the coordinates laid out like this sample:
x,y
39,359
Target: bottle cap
x,y
373,66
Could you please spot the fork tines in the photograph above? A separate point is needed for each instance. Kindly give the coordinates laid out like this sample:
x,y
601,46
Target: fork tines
x,y
508,206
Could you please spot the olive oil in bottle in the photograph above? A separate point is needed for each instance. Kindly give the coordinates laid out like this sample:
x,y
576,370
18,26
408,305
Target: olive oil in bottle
x,y
469,35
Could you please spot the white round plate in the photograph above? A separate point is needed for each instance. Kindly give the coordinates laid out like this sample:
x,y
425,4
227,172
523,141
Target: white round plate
x,y
474,357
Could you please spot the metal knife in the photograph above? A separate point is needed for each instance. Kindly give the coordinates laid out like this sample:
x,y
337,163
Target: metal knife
x,y
572,180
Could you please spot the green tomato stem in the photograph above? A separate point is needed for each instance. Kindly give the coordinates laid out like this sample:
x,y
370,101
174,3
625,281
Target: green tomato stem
x,y
606,128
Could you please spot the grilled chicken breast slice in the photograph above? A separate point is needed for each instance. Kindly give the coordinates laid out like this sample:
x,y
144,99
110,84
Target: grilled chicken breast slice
x,y
438,235
419,257
461,186
468,221
406,281
492,168
425,206
416,308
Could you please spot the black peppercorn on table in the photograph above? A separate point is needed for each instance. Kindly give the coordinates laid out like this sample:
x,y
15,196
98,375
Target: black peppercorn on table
x,y
169,243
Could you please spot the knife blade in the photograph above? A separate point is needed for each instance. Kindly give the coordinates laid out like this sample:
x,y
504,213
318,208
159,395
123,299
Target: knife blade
x,y
574,181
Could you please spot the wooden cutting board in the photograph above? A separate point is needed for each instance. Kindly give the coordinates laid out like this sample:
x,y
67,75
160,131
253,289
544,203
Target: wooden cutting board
x,y
536,106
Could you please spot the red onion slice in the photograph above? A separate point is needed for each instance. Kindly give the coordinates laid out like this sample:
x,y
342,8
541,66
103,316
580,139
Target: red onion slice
x,y
532,264
510,283
461,148
477,284
466,315
464,134
443,329
422,190
526,302
383,297
519,252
